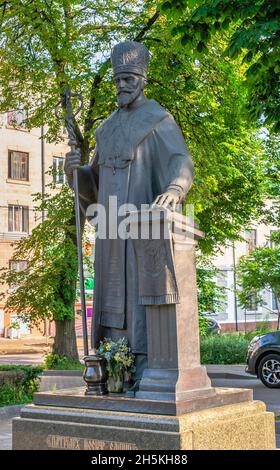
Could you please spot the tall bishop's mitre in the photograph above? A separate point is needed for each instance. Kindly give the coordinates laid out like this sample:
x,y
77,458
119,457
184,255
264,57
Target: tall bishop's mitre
x,y
130,57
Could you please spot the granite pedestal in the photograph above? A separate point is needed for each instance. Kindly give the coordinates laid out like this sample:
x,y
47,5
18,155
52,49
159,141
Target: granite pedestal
x,y
75,422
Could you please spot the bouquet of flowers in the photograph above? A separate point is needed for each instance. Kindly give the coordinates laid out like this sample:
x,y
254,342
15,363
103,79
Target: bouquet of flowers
x,y
119,359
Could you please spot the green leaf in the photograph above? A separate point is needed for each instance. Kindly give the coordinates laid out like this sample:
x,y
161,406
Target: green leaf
x,y
201,46
185,40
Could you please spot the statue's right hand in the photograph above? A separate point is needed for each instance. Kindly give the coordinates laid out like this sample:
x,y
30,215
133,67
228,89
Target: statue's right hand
x,y
73,158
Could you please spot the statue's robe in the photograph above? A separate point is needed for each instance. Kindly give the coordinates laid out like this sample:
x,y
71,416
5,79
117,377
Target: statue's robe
x,y
140,153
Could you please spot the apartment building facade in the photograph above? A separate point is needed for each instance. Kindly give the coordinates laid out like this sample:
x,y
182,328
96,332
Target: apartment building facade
x,y
232,316
24,160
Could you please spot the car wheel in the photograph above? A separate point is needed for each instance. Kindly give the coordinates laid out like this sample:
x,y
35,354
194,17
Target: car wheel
x,y
269,370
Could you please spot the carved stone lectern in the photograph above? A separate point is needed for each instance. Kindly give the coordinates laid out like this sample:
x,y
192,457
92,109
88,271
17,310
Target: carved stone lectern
x,y
167,270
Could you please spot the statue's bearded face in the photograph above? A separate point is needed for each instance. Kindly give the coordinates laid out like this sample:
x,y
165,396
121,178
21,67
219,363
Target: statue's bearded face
x,y
129,87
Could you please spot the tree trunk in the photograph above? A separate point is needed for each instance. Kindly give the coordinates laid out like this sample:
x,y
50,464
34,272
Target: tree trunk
x,y
65,343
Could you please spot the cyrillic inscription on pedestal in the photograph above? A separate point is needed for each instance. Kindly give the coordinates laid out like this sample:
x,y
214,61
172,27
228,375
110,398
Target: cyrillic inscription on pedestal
x,y
54,441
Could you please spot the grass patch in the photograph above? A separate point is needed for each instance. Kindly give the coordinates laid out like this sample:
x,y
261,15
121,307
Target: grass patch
x,y
21,391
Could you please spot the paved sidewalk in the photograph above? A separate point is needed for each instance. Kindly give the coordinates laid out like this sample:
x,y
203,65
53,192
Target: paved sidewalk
x,y
218,371
26,345
7,413
29,345
23,359
6,435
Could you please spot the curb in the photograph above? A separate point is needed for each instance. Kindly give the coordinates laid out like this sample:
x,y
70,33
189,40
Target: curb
x,y
10,411
228,375
62,373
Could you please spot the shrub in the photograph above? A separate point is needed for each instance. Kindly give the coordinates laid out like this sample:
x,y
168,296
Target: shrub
x,y
224,349
13,395
12,377
261,330
25,384
203,324
56,362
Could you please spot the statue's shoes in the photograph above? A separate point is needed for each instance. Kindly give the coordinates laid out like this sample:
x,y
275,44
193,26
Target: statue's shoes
x,y
130,392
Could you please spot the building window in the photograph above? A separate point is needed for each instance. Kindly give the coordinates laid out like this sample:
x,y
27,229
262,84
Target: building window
x,y
251,240
18,165
275,303
18,219
17,265
16,118
274,237
59,176
252,305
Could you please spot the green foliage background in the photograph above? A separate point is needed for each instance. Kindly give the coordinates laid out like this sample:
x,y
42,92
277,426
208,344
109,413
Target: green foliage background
x,y
252,29
47,287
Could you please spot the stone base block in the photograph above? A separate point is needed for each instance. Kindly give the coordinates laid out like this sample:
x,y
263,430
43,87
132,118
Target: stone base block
x,y
195,400
245,426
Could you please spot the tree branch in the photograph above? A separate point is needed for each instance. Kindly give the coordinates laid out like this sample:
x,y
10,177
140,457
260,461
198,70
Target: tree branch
x,y
148,26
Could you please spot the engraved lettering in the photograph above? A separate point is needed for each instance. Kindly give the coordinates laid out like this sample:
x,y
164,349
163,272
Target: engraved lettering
x,y
54,441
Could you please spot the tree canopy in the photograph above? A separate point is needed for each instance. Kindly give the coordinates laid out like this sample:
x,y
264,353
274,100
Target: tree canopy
x,y
272,149
257,272
46,288
253,31
45,46
210,295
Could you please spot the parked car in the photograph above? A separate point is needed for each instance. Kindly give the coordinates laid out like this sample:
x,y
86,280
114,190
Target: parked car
x,y
263,359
